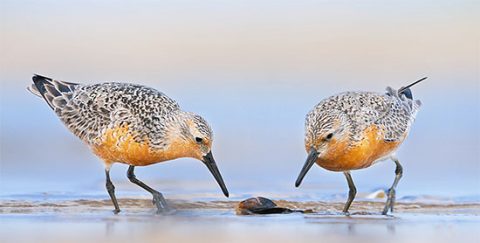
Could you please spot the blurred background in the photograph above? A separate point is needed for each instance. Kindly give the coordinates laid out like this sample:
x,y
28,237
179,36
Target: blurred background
x,y
253,69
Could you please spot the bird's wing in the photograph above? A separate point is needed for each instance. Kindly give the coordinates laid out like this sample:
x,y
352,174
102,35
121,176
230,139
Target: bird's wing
x,y
395,118
364,109
95,108
392,114
56,93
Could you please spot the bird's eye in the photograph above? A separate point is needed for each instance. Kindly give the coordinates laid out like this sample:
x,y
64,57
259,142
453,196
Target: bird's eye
x,y
329,136
199,140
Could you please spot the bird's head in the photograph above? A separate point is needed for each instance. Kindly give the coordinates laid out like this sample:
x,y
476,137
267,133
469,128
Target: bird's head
x,y
324,130
196,141
326,135
198,134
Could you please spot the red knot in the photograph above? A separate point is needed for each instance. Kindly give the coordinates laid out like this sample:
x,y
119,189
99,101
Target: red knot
x,y
354,130
130,124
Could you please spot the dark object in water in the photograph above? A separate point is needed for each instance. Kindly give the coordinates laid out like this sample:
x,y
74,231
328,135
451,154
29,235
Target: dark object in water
x,y
261,205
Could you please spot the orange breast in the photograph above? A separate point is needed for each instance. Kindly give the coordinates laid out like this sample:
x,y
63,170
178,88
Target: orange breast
x,y
341,157
119,145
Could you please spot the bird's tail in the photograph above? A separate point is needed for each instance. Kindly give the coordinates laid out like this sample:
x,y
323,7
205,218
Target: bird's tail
x,y
407,91
56,93
405,96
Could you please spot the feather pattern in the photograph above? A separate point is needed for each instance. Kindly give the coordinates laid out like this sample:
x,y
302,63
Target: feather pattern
x,y
393,113
90,110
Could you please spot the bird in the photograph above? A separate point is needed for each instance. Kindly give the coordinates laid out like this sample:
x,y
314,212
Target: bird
x,y
354,130
130,124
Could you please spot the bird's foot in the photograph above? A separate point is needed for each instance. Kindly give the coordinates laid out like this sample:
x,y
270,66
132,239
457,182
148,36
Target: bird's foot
x,y
160,203
116,211
390,201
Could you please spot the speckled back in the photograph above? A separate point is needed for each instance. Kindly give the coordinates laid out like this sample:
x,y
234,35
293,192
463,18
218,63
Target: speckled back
x,y
392,113
95,108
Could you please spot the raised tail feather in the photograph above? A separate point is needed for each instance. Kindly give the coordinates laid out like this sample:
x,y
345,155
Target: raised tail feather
x,y
407,91
56,93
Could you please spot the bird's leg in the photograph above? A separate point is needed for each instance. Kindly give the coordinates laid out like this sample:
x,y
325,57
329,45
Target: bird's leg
x,y
351,193
391,192
111,191
158,199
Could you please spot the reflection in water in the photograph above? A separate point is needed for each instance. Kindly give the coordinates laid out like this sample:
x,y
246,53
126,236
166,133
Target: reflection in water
x,y
355,223
207,221
391,228
109,227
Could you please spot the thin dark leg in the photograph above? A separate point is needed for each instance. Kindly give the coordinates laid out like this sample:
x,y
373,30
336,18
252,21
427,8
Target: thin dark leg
x,y
391,192
111,191
158,199
351,193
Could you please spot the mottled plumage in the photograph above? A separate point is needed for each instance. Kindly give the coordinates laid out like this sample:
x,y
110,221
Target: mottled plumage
x,y
392,113
353,130
128,123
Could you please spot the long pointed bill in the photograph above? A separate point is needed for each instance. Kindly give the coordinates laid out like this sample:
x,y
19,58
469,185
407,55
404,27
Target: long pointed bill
x,y
212,166
312,157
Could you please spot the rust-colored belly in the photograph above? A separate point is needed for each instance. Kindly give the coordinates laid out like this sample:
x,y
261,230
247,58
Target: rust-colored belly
x,y
362,155
119,145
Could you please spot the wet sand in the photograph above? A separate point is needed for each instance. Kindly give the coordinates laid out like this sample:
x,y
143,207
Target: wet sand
x,y
132,206
206,221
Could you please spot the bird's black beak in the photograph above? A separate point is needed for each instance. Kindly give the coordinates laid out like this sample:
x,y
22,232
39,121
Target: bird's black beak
x,y
312,157
212,166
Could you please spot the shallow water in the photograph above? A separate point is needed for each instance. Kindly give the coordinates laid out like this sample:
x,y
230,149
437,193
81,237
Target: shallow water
x,y
79,220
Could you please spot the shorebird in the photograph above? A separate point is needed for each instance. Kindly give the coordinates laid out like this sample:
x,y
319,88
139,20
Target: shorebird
x,y
354,130
130,124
